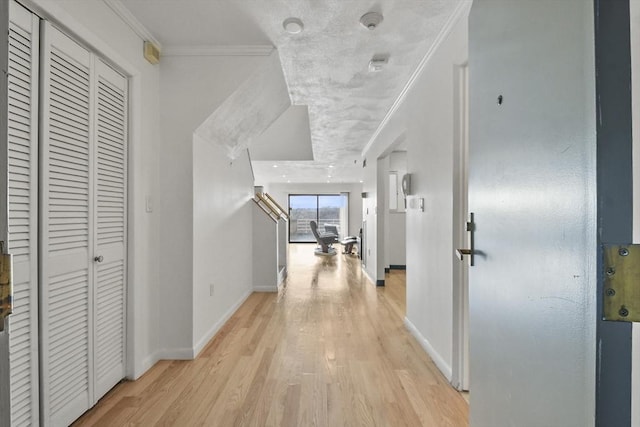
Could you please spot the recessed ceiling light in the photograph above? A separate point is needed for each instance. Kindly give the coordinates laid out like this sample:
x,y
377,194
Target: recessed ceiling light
x,y
330,166
289,181
293,25
284,176
361,181
371,20
275,166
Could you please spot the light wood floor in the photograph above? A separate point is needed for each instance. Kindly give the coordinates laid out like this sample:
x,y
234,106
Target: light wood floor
x,y
329,350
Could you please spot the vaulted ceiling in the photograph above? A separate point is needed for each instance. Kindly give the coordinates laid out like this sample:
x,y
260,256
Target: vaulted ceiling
x,y
326,65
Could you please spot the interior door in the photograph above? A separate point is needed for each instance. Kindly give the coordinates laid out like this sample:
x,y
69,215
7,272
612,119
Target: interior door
x,y
66,317
110,219
532,186
23,212
82,228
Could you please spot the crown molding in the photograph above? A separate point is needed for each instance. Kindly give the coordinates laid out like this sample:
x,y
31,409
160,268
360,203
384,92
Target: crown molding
x,y
210,50
461,10
128,17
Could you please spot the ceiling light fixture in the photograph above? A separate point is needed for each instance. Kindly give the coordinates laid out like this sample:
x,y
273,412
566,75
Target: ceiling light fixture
x,y
293,25
371,20
275,166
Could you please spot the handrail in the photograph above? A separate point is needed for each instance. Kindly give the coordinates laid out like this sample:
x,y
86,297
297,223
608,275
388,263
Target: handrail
x,y
277,212
282,211
266,210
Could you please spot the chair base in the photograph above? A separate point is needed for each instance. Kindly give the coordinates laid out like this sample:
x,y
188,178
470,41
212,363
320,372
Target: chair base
x,y
329,252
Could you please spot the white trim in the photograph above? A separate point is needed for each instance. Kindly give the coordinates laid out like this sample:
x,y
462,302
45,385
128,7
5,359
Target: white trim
x,y
210,50
133,23
54,13
202,342
462,10
183,353
366,273
426,345
147,363
266,288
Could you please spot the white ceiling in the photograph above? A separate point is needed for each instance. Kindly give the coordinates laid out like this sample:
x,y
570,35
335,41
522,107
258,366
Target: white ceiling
x,y
325,66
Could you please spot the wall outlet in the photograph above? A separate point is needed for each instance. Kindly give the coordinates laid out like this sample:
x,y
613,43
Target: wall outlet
x,y
211,290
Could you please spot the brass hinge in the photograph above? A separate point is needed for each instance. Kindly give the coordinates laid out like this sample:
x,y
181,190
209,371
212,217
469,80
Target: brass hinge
x,y
6,285
621,273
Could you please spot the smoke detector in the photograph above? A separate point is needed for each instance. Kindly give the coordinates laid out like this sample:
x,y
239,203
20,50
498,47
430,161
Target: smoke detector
x,y
293,25
371,20
377,63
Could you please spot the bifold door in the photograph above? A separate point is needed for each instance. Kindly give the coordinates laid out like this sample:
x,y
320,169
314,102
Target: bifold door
x,y
23,212
67,227
82,228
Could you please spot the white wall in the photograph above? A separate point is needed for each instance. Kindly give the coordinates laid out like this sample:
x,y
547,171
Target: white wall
x,y
428,127
95,24
222,238
280,192
191,89
369,187
395,228
265,258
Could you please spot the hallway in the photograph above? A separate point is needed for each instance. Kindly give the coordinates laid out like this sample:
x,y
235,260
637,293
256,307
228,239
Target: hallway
x,y
329,350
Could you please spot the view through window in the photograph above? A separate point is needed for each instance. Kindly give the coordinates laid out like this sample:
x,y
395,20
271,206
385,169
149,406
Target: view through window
x,y
326,209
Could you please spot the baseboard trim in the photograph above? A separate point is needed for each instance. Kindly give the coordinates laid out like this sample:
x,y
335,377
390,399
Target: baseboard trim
x,y
219,324
184,353
387,269
147,363
380,282
426,345
266,288
366,273
397,267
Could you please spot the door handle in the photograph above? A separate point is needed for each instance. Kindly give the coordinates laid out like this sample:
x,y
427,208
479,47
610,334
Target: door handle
x,y
460,253
99,258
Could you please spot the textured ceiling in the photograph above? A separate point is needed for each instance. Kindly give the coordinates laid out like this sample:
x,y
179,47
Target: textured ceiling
x,y
325,66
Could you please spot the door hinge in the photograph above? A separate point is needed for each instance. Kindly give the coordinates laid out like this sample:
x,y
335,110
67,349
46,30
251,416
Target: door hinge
x,y
621,277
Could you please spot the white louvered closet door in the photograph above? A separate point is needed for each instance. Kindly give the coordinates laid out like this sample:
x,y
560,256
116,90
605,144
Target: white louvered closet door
x,y
110,227
23,213
66,222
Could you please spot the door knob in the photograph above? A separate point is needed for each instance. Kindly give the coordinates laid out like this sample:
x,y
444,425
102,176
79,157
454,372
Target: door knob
x,y
99,258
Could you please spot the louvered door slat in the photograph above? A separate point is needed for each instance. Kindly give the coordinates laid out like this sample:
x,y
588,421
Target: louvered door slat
x,y
110,170
66,312
23,208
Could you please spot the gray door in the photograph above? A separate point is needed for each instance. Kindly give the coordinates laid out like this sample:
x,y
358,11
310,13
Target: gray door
x,y
532,188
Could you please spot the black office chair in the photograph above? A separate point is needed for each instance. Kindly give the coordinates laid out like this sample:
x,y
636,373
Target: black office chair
x,y
325,240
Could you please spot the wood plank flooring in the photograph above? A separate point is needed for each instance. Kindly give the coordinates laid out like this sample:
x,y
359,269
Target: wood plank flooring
x,y
330,349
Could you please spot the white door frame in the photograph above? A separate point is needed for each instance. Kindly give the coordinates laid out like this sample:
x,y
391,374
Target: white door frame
x,y
136,195
460,365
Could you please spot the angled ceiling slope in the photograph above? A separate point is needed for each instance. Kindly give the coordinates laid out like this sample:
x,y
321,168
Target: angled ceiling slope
x,y
250,110
287,139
